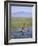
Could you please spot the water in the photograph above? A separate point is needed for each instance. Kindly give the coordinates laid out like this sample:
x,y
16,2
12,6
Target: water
x,y
26,33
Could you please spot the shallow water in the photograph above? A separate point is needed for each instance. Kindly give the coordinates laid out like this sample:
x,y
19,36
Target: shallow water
x,y
26,33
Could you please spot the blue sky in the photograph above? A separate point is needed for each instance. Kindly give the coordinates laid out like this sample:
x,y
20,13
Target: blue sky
x,y
21,11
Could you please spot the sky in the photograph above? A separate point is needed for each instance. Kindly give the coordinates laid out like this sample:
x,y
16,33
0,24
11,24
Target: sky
x,y
21,11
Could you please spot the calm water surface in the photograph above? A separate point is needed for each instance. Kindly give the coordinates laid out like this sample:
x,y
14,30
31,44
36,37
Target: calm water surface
x,y
26,33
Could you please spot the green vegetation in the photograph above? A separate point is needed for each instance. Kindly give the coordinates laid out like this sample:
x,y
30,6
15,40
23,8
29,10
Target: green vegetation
x,y
20,21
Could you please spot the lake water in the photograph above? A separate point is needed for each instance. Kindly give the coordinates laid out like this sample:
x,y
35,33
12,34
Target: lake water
x,y
26,33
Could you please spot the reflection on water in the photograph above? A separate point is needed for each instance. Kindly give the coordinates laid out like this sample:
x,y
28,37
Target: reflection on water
x,y
19,33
